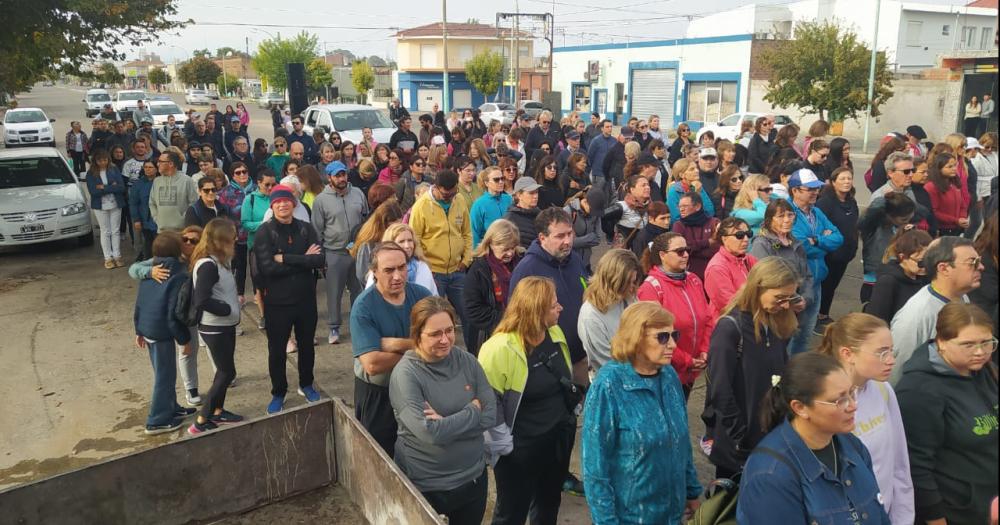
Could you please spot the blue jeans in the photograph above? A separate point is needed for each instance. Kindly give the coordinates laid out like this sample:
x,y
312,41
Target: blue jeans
x,y
807,322
163,405
451,286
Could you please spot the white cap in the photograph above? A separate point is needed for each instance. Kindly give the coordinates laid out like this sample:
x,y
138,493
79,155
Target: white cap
x,y
707,152
972,143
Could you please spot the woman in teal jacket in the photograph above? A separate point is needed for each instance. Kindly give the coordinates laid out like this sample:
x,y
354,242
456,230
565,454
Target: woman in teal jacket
x,y
751,201
637,464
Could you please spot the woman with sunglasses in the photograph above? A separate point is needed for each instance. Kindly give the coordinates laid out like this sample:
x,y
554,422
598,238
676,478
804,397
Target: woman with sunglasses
x,y
276,162
669,284
948,400
816,154
207,207
837,202
414,176
232,197
637,461
547,175
394,169
863,345
747,349
751,201
810,467
676,150
724,196
728,269
508,167
761,148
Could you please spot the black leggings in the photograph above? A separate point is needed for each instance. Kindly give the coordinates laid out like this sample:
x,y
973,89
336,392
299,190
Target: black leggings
x,y
221,342
464,505
829,286
240,267
530,478
279,322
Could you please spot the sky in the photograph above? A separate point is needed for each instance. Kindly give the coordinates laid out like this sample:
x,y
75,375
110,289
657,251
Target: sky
x,y
367,27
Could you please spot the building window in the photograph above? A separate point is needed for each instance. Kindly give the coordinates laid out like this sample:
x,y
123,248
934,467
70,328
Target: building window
x,y
464,54
523,50
581,97
710,101
946,30
986,40
968,37
428,56
913,28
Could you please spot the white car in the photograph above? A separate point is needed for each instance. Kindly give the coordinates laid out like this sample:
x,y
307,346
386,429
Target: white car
x,y
197,96
127,100
532,108
729,127
499,111
270,99
161,109
28,127
348,120
95,99
40,199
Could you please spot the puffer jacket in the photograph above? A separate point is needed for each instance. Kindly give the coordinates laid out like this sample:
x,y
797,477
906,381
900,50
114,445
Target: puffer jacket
x,y
825,244
754,217
724,276
692,316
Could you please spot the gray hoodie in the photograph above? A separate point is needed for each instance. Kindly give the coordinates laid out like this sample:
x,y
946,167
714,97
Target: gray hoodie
x,y
338,217
169,200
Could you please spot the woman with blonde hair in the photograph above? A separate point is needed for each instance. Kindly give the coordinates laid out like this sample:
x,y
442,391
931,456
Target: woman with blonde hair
x,y
477,152
746,349
863,345
363,176
437,157
371,233
727,154
215,298
527,363
610,291
417,271
637,461
487,281
751,201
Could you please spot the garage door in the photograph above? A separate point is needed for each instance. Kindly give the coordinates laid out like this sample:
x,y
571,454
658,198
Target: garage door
x,y
426,98
462,98
653,94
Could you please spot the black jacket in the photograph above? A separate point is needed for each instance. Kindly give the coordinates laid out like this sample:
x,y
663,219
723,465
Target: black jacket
x,y
401,135
536,136
986,295
551,195
759,153
675,151
843,215
951,434
292,281
736,383
642,238
198,214
525,222
892,289
924,199
821,171
482,311
879,176
614,166
723,206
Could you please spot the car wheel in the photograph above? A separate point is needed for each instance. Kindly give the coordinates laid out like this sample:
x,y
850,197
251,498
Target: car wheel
x,y
86,240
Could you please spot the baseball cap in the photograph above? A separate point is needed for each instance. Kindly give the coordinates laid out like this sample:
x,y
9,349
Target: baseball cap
x,y
523,184
146,120
801,178
972,143
647,159
335,167
234,118
707,152
916,131
572,134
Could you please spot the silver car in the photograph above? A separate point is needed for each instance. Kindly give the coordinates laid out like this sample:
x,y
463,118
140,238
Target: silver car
x,y
270,99
40,199
499,111
348,120
197,96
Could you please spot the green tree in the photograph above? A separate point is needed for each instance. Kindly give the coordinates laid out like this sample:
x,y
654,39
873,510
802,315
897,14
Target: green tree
x,y
201,53
273,55
319,75
60,36
485,71
228,83
199,71
825,71
236,53
159,77
109,74
375,61
362,78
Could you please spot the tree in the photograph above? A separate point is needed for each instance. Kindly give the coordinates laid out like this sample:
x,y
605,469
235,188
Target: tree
x,y
229,83
375,61
235,53
109,74
273,55
199,71
61,36
159,77
825,71
347,54
362,78
319,75
201,53
484,71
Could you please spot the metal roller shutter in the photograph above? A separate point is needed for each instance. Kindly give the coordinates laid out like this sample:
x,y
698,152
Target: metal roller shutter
x,y
653,94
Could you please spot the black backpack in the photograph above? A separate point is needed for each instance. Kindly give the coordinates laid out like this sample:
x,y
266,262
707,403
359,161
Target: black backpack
x,y
185,311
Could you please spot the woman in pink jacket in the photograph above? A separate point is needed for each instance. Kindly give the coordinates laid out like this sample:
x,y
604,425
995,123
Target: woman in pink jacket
x,y
681,293
728,269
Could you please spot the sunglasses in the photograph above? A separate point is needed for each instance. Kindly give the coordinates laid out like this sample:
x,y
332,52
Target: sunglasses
x,y
496,179
510,169
240,172
267,185
664,337
418,164
794,299
766,189
738,178
740,235
190,240
682,252
296,123
907,171
208,190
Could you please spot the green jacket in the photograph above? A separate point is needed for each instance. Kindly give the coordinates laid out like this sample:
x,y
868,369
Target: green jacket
x,y
255,205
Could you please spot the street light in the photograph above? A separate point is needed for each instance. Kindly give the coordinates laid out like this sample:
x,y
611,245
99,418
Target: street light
x,y
225,87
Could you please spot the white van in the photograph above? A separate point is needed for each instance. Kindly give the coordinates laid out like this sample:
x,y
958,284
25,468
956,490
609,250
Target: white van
x,y
40,199
95,100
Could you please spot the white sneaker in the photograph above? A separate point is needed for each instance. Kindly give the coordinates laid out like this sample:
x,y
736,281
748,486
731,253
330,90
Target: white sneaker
x,y
193,399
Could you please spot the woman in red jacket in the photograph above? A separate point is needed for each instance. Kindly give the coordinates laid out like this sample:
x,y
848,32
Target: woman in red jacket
x,y
951,207
681,293
728,269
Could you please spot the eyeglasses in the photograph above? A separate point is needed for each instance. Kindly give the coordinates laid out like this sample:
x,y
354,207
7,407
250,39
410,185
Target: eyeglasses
x,y
766,189
989,346
551,167
510,169
791,299
737,178
974,262
664,337
240,172
279,145
740,235
438,334
393,157
296,123
884,356
919,263
267,184
843,403
681,252
824,155
190,240
643,127
208,190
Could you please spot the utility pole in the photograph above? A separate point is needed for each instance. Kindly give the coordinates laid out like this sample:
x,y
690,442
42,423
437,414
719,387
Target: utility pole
x,y
243,65
517,55
225,87
871,75
445,105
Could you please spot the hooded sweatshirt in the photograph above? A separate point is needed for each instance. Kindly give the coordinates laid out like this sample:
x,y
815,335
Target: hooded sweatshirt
x,y
169,200
586,228
338,217
951,434
892,289
485,210
445,235
685,298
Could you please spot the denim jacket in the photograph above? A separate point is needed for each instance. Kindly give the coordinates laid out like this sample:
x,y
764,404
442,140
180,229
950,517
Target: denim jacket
x,y
770,492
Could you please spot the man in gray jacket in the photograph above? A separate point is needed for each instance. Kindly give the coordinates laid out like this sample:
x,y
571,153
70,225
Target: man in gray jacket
x,y
172,193
337,214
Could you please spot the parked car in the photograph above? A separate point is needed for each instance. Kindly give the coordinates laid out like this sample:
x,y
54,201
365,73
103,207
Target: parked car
x,y
40,199
28,127
270,99
729,127
197,96
531,108
499,111
127,100
161,109
94,100
213,94
348,120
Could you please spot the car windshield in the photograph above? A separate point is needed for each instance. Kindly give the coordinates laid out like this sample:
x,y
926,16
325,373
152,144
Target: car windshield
x,y
505,107
532,105
40,171
165,109
361,118
99,97
782,120
197,92
133,95
17,117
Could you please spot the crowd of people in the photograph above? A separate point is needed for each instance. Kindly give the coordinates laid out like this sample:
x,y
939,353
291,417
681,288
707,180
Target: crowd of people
x,y
720,259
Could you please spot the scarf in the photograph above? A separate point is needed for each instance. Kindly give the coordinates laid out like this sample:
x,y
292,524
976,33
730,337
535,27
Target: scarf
x,y
679,276
698,218
500,273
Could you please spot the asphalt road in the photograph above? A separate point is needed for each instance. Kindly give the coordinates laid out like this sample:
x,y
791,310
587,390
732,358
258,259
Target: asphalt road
x,y
77,388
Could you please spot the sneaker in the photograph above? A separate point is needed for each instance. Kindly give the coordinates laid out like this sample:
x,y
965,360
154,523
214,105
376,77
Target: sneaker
x,y
572,485
309,393
706,443
291,347
821,325
152,430
226,417
260,323
277,403
109,264
334,336
197,428
184,412
193,398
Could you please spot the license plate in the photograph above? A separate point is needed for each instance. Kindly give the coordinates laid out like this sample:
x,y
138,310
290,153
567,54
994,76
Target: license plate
x,y
32,228
29,139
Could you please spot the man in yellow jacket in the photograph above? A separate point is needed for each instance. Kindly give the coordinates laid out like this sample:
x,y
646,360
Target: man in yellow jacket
x,y
440,220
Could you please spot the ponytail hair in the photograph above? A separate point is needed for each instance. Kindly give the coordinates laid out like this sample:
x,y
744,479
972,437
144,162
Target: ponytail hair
x,y
802,381
849,331
651,254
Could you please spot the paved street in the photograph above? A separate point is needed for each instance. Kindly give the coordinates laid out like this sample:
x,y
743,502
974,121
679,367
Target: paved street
x,y
77,388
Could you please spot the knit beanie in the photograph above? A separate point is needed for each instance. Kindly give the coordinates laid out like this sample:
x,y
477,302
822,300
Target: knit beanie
x,y
280,193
